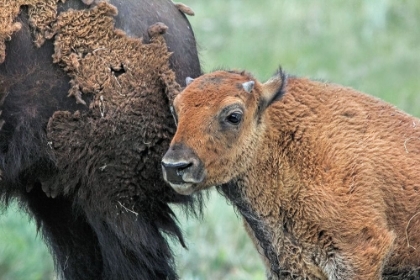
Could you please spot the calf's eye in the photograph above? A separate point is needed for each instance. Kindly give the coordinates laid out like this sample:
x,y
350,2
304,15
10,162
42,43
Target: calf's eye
x,y
234,118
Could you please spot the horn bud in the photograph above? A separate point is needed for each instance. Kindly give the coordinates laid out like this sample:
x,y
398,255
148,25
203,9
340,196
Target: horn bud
x,y
188,80
248,86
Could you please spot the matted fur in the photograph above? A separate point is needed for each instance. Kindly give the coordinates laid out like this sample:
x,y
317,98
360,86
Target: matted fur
x,y
87,167
42,14
327,179
120,106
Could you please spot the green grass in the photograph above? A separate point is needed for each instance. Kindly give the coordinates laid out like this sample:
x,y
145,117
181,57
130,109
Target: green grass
x,y
373,46
23,255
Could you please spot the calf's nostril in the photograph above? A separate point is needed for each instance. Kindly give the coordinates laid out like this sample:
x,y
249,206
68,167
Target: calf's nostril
x,y
180,169
175,171
176,166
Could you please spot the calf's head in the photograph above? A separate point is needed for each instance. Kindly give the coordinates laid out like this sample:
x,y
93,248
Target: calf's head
x,y
220,120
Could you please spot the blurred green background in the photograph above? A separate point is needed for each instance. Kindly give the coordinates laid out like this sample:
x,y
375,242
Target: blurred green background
x,y
371,45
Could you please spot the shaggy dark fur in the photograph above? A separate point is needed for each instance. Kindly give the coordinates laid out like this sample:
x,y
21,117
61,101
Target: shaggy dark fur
x,y
93,182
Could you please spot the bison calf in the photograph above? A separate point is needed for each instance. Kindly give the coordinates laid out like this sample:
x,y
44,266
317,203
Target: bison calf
x,y
326,178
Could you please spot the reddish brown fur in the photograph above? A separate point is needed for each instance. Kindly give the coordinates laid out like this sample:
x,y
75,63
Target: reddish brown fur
x,y
327,178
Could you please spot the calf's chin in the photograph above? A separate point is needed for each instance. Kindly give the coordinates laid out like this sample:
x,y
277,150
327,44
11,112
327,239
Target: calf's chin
x,y
184,189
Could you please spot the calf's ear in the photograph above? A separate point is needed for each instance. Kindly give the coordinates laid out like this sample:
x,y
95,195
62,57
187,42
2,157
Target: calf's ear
x,y
273,89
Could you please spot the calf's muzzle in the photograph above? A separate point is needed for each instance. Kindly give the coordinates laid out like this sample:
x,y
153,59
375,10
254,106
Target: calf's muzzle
x,y
182,169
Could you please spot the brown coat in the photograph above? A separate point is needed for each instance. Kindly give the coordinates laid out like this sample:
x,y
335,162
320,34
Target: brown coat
x,y
89,175
327,178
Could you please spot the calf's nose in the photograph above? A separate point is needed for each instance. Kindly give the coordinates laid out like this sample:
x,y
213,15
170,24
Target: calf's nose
x,y
180,166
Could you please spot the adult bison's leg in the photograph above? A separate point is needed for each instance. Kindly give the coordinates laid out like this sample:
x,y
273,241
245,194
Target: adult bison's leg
x,y
71,239
133,250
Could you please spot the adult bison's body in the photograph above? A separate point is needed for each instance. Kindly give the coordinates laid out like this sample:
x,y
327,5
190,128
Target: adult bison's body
x,y
86,167
326,178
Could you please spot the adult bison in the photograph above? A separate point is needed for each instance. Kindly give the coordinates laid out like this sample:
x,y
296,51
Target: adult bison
x,y
326,178
84,124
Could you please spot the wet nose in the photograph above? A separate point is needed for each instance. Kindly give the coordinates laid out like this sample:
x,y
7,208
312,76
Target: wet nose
x,y
181,166
175,170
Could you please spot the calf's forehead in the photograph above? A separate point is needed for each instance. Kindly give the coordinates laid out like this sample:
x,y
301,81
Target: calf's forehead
x,y
213,91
